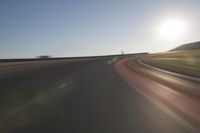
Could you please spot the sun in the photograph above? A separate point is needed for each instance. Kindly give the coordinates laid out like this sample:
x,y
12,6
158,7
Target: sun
x,y
172,29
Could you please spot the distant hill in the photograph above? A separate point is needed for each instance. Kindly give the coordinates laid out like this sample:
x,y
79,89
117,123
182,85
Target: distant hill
x,y
189,46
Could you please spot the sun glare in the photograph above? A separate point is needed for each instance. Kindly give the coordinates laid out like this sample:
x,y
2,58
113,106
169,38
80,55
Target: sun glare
x,y
172,29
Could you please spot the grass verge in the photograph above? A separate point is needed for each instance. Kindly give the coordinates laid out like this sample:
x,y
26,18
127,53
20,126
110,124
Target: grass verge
x,y
185,62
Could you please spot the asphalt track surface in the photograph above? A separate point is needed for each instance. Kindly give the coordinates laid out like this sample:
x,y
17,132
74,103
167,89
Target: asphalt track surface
x,y
77,97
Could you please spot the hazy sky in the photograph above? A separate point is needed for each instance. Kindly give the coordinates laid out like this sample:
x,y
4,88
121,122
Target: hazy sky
x,y
29,28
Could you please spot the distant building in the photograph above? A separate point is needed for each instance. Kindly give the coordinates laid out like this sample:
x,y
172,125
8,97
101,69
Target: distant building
x,y
44,56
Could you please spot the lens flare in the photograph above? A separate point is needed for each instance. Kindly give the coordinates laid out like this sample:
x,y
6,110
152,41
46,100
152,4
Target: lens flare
x,y
172,29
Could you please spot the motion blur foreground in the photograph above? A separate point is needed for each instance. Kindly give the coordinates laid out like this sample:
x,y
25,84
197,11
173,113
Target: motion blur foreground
x,y
136,93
